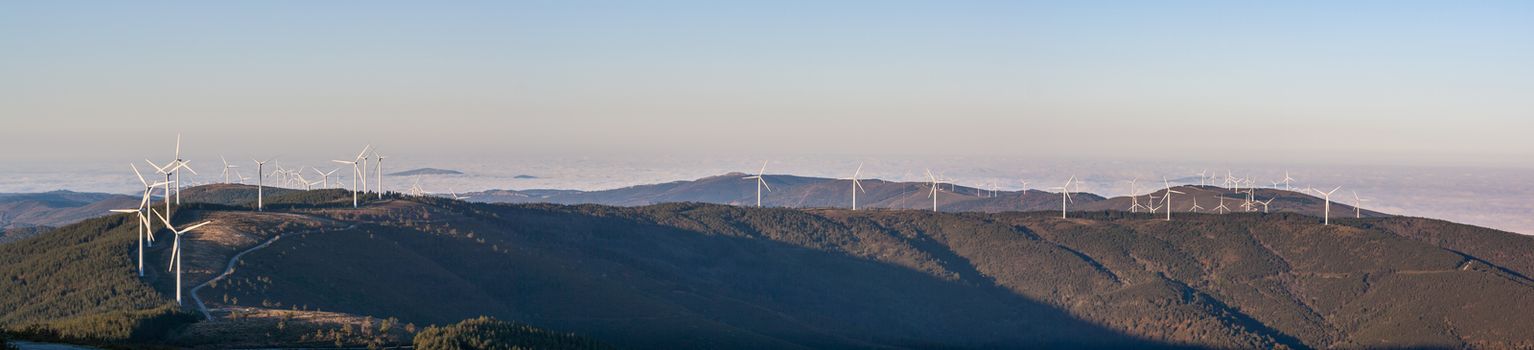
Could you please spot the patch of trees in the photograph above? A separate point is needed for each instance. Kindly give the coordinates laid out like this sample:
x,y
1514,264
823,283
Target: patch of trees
x,y
79,284
486,333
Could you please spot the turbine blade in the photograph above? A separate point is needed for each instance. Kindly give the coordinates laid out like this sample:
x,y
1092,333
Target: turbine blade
x,y
194,226
163,219
140,175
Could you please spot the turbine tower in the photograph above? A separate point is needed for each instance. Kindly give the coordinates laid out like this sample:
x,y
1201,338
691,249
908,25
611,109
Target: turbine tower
x,y
856,186
325,181
1358,203
166,170
364,170
1168,198
176,252
146,204
760,183
935,190
260,182
358,171
1286,180
379,166
1065,195
1327,214
1222,209
1134,196
228,168
1195,207
1022,196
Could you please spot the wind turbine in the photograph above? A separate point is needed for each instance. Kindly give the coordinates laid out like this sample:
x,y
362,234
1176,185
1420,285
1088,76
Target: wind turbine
x,y
364,170
228,168
456,196
356,172
1327,214
1203,176
1265,204
415,188
1358,203
260,181
175,252
1134,195
1022,196
1286,180
379,166
856,186
1196,208
1065,195
325,181
146,203
935,190
167,170
1168,199
760,183
178,165
1222,209
137,213
142,214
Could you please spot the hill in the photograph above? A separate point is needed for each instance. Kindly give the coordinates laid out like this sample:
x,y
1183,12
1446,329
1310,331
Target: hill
x,y
703,275
810,192
796,192
58,208
427,171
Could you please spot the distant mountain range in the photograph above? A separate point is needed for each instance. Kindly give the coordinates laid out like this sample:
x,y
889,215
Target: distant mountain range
x,y
690,275
427,171
58,208
810,192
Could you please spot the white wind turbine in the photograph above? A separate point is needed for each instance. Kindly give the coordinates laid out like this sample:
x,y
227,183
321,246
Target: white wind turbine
x,y
456,196
1265,204
935,190
145,227
1134,195
761,182
1196,208
139,214
379,179
416,189
357,171
325,181
1327,214
1286,180
1222,209
1203,177
260,182
166,170
1022,196
228,168
176,253
1358,203
146,202
1065,195
856,185
178,165
1168,198
364,170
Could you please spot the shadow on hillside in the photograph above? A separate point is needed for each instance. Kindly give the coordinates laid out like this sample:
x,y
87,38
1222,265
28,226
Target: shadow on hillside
x,y
788,293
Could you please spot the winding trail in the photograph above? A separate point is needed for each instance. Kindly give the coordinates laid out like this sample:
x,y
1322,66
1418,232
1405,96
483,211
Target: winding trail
x,y
234,260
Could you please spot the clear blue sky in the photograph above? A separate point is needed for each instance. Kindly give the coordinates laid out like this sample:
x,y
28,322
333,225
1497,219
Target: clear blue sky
x,y
1410,81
